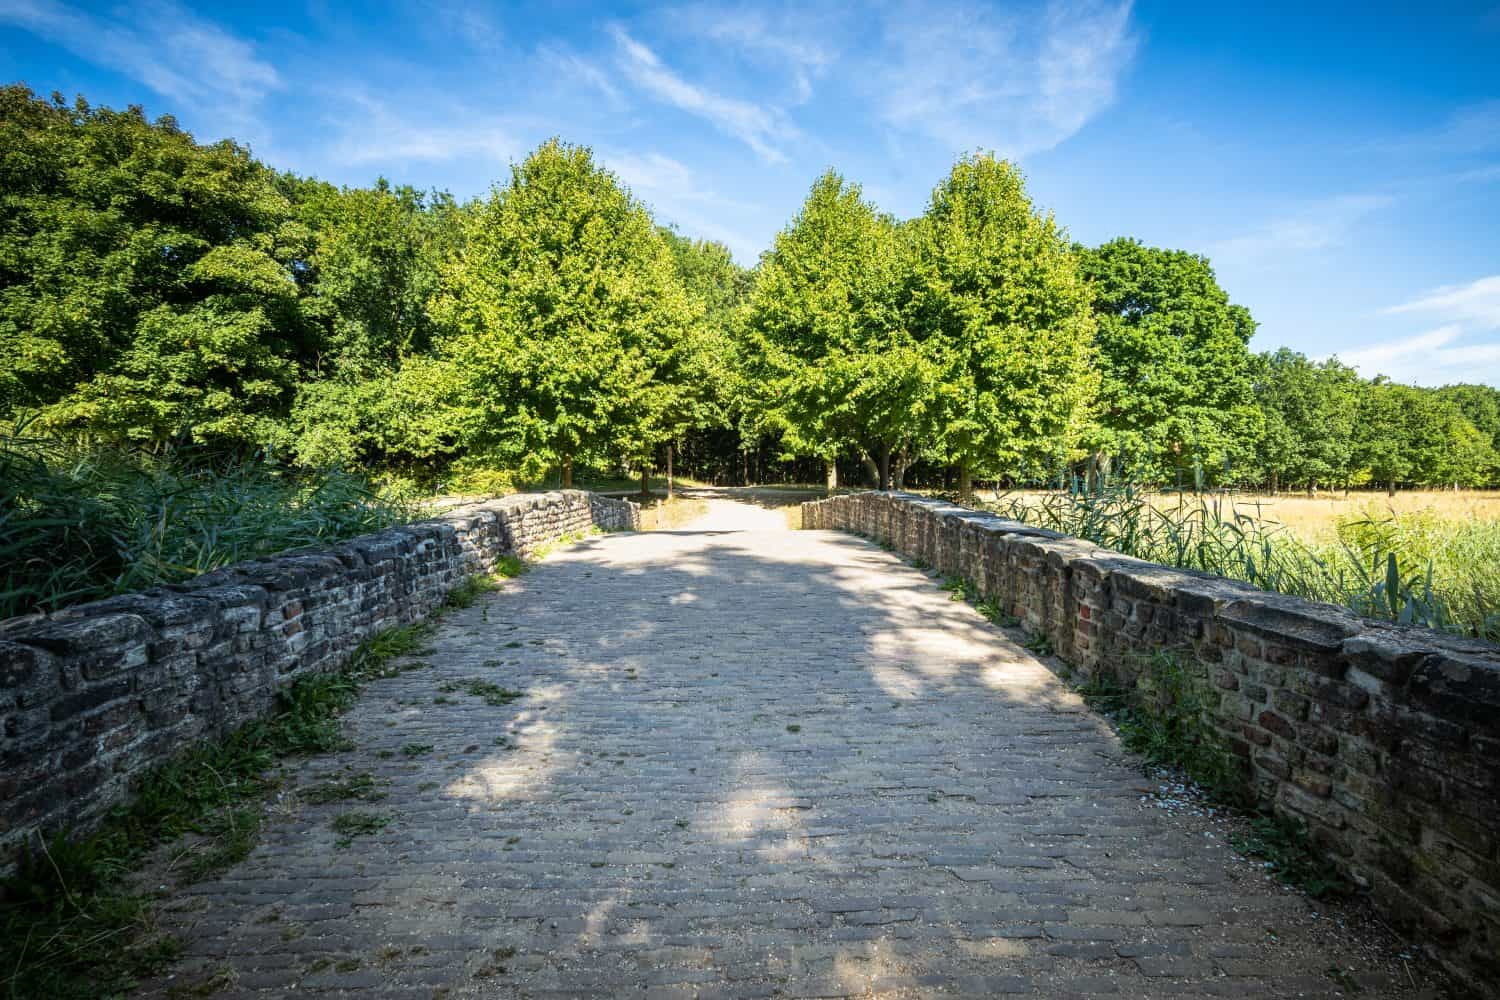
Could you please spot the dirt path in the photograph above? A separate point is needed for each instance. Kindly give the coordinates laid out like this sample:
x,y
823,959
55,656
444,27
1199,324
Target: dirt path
x,y
746,762
727,512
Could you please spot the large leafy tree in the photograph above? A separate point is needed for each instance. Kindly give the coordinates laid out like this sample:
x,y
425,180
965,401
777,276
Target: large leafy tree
x,y
1177,389
1406,435
998,297
376,261
1309,410
572,335
147,287
1480,404
717,362
375,396
836,367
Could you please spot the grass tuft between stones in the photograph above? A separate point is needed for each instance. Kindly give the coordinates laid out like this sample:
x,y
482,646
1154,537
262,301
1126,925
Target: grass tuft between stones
x,y
492,694
360,786
357,824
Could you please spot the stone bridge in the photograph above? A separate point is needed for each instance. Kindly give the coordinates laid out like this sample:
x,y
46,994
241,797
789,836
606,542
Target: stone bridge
x,y
752,762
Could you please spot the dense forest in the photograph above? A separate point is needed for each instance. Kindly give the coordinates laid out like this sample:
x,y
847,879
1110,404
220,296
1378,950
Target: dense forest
x,y
160,294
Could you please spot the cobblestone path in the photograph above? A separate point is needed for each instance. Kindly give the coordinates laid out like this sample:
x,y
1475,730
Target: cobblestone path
x,y
745,764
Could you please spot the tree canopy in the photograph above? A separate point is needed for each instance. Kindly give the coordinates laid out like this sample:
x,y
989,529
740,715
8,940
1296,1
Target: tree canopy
x,y
160,292
148,281
1176,389
997,294
837,368
570,327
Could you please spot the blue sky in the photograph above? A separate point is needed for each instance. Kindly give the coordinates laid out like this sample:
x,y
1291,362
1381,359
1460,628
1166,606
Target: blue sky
x,y
1339,165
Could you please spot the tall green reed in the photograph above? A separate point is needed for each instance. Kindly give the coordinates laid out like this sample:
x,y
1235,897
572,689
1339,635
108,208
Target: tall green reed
x,y
1407,569
79,522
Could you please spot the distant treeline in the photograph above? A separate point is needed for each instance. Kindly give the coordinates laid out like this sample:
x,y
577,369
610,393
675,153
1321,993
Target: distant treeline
x,y
157,293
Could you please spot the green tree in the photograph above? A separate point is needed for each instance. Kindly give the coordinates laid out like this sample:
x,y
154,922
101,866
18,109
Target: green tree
x,y
1395,435
836,367
571,333
1470,458
716,363
376,261
1480,405
146,282
1309,410
998,296
375,265
1176,392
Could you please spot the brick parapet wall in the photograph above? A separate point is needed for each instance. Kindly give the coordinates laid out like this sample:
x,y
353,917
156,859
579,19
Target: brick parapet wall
x,y
1384,740
96,694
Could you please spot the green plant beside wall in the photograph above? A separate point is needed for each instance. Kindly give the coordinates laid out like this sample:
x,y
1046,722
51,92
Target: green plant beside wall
x,y
1158,706
1161,716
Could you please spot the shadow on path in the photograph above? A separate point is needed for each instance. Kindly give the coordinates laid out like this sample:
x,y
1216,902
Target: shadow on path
x,y
747,764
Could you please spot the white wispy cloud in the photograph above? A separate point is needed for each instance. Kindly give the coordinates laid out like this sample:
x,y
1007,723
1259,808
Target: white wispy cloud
x,y
1469,129
763,128
1019,82
1317,225
1432,357
1085,50
1478,175
375,132
164,46
675,194
1417,346
1456,351
569,65
470,23
1474,304
657,172
797,39
1473,127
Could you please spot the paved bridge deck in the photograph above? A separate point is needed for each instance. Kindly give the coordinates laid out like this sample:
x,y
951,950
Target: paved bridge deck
x,y
747,763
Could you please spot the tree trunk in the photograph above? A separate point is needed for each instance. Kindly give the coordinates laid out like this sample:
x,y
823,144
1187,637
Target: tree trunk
x,y
1390,488
646,481
567,472
898,477
965,484
833,477
1099,467
669,470
872,471
885,467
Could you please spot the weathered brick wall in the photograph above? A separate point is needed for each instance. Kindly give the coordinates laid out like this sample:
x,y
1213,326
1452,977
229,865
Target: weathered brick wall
x,y
1384,740
98,693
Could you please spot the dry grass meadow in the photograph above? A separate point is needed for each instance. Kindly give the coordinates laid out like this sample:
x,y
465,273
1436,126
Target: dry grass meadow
x,y
1315,519
1424,557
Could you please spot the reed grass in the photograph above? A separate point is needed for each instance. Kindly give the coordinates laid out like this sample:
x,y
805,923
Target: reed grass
x,y
79,523
1410,568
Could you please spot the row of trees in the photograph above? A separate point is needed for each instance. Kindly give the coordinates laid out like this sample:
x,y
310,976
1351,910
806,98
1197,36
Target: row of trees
x,y
154,291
